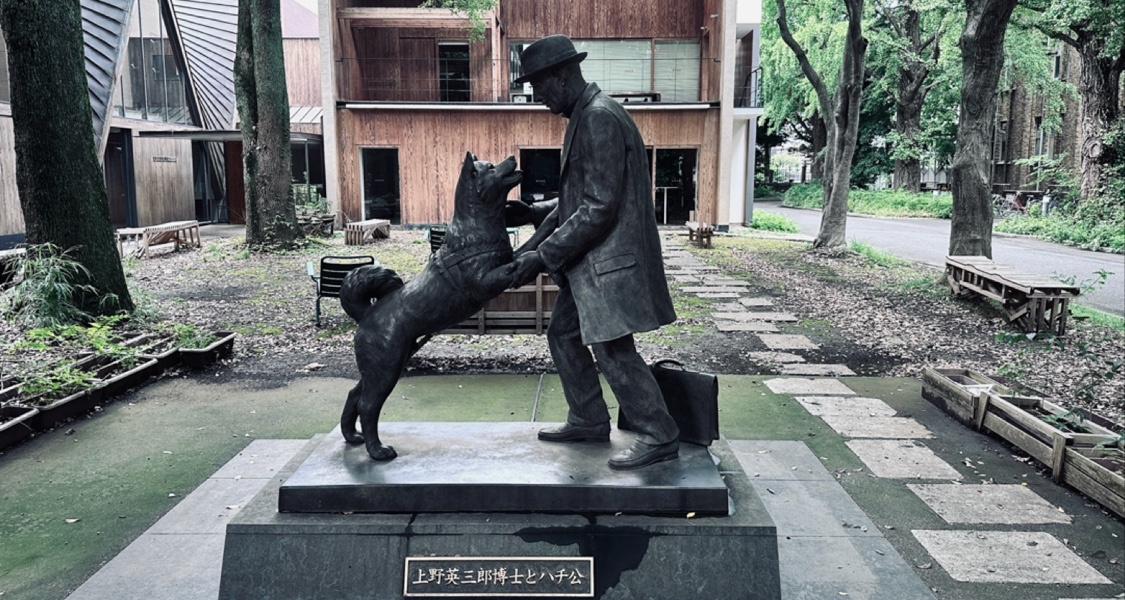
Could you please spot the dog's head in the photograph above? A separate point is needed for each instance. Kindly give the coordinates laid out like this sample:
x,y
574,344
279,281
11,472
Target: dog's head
x,y
483,187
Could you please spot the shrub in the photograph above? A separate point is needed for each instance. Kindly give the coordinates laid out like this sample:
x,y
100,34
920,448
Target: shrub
x,y
886,203
1068,230
804,195
48,289
773,222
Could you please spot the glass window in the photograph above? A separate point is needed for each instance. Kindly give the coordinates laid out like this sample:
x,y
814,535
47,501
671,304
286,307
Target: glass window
x,y
152,86
453,71
631,70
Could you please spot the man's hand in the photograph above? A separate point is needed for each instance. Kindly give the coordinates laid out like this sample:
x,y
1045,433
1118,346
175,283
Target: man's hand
x,y
524,268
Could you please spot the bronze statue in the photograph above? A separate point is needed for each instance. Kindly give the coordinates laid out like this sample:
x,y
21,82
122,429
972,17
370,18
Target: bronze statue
x,y
601,245
470,268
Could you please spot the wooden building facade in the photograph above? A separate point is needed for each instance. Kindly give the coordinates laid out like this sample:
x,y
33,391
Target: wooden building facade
x,y
407,93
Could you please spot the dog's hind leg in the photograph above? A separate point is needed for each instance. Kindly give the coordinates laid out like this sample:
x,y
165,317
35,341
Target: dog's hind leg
x,y
350,414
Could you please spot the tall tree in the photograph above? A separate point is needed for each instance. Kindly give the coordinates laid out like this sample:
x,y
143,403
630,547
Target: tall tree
x,y
62,191
1096,29
982,60
263,109
841,111
917,41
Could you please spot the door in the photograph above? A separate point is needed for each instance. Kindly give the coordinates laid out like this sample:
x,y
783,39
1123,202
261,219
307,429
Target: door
x,y
676,171
540,168
119,179
380,182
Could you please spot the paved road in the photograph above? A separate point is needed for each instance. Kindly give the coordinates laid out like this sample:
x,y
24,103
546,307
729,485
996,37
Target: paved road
x,y
927,241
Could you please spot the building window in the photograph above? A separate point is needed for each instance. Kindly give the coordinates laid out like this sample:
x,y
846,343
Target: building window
x,y
453,71
630,70
1002,136
152,87
541,170
380,183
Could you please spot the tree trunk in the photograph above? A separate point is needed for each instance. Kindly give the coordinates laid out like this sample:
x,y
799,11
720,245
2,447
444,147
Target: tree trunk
x,y
842,134
819,143
1098,87
982,59
912,74
62,191
263,109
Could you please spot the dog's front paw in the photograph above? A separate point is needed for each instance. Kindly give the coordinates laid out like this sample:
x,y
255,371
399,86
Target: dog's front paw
x,y
381,452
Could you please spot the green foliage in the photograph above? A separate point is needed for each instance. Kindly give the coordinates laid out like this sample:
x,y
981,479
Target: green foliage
x,y
1068,230
773,222
56,382
875,256
475,10
48,292
190,337
886,203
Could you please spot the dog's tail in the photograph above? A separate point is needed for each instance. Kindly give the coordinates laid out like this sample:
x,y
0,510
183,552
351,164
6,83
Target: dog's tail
x,y
364,284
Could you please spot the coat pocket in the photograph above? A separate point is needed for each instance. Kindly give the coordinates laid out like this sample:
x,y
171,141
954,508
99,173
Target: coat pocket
x,y
616,263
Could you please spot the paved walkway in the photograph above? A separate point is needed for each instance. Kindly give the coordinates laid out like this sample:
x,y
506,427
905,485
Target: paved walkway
x,y
875,492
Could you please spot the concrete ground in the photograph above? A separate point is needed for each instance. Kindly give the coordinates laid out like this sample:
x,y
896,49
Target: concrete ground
x,y
906,503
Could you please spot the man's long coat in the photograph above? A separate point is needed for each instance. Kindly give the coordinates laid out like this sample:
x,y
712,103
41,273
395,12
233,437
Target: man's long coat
x,y
606,243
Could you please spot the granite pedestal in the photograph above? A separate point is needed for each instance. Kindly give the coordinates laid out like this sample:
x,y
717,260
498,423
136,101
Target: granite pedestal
x,y
327,554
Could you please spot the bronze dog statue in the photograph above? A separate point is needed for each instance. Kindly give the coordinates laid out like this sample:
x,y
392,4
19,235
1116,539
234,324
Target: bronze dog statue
x,y
468,270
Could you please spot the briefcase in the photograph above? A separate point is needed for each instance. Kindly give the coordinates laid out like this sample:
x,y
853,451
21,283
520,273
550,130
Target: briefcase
x,y
692,399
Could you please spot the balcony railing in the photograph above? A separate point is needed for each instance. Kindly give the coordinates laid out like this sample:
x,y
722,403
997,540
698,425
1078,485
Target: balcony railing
x,y
748,94
430,80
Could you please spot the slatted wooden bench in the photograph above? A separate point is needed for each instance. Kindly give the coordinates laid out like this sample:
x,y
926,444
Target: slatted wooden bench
x,y
525,309
358,233
177,232
698,232
1033,302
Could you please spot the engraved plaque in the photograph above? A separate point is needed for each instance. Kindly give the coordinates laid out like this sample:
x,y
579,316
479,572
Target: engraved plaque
x,y
494,576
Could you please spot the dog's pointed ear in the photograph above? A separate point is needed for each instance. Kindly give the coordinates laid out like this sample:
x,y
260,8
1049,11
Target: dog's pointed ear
x,y
468,167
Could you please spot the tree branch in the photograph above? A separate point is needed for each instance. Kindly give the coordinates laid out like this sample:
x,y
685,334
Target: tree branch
x,y
806,67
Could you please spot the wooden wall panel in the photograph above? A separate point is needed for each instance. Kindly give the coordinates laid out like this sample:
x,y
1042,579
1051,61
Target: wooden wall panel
x,y
164,189
583,19
432,144
11,215
302,71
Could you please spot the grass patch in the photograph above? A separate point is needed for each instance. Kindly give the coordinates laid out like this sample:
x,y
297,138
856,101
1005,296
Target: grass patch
x,y
1098,317
884,203
773,222
1067,231
875,256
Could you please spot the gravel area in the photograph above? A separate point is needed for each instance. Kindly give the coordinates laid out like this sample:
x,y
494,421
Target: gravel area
x,y
880,321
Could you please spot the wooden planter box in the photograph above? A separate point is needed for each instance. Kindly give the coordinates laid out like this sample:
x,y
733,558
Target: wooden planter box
x,y
986,404
163,350
217,350
58,411
116,379
15,424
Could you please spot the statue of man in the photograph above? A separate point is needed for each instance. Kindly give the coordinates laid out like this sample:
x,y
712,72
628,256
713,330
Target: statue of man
x,y
602,246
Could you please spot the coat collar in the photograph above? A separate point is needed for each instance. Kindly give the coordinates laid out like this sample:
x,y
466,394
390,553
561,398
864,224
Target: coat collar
x,y
588,94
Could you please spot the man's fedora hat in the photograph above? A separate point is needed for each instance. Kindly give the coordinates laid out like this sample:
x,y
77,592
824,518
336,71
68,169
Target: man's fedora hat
x,y
551,51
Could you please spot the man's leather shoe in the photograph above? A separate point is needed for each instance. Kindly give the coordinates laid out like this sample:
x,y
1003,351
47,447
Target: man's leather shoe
x,y
576,433
641,454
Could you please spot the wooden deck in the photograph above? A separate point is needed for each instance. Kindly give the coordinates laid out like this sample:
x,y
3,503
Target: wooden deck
x,y
1033,302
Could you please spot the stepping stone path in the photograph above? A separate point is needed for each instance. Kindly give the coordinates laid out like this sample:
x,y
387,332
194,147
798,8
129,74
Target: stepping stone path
x,y
893,447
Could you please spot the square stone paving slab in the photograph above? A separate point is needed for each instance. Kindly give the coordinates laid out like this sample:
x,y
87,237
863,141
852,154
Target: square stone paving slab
x,y
817,370
779,460
716,295
755,326
1007,557
755,302
755,316
901,459
788,342
775,357
847,405
798,386
712,289
877,427
1007,504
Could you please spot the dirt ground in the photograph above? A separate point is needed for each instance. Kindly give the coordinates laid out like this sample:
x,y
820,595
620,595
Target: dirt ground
x,y
879,321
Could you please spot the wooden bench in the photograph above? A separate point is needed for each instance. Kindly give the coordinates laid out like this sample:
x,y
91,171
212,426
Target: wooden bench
x,y
699,233
1033,302
177,232
525,309
358,233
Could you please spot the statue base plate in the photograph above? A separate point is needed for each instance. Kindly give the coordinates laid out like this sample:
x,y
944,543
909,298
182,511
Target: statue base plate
x,y
498,467
271,554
